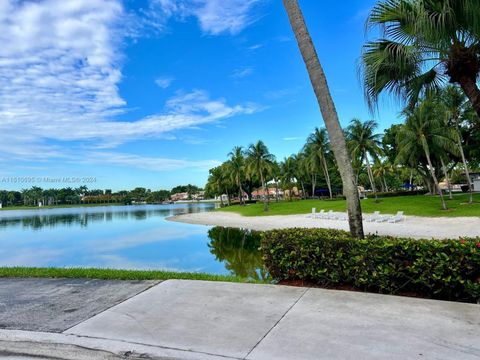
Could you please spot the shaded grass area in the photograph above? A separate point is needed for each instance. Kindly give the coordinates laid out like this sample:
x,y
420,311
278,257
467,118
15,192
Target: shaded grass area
x,y
418,205
113,274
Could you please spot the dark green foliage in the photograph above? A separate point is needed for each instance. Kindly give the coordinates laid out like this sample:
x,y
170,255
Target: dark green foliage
x,y
448,270
401,193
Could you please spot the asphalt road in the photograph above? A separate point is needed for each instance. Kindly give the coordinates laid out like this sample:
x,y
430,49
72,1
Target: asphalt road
x,y
55,305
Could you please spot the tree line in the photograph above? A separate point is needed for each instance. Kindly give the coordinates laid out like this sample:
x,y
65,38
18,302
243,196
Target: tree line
x,y
421,46
437,141
82,195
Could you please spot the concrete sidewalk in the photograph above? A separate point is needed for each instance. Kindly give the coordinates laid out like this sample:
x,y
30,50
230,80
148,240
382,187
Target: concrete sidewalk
x,y
180,319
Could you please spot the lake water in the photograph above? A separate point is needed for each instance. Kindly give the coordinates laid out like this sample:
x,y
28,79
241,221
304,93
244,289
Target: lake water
x,y
127,237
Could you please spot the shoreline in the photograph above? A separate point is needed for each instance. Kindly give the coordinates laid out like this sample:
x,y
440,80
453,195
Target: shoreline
x,y
414,226
69,206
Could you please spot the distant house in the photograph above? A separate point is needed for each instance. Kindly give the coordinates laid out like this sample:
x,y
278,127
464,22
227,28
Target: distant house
x,y
199,196
475,179
179,196
272,193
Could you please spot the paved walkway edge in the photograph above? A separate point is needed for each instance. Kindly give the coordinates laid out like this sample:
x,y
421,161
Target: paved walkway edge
x,y
9,338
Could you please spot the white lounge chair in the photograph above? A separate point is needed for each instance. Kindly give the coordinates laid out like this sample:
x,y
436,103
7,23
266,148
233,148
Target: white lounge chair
x,y
374,217
320,214
312,215
383,218
397,218
342,216
330,215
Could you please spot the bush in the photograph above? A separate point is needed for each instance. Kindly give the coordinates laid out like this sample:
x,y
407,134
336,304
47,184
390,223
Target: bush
x,y
440,269
399,193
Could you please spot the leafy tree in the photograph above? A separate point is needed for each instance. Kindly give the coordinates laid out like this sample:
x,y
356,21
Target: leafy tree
x,y
424,128
260,162
216,184
316,150
236,168
455,104
288,170
364,143
389,142
380,170
423,44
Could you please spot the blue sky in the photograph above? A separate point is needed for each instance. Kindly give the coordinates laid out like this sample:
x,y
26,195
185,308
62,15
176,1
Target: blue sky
x,y
118,94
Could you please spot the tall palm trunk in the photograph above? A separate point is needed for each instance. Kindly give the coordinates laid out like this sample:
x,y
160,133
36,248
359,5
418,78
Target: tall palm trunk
x,y
411,180
470,88
329,114
228,198
240,192
314,183
370,176
265,195
434,177
327,177
464,160
447,179
276,190
304,194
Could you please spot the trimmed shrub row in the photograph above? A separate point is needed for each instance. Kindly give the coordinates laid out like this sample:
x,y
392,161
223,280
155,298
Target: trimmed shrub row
x,y
399,193
439,269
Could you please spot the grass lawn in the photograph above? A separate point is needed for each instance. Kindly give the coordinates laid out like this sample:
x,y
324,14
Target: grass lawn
x,y
419,205
111,274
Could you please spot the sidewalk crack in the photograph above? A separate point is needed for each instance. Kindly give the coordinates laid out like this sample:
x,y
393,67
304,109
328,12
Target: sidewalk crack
x,y
275,325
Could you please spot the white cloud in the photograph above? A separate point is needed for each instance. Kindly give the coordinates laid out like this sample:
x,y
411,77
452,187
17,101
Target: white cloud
x,y
215,17
60,67
164,81
147,163
220,16
255,47
242,72
293,138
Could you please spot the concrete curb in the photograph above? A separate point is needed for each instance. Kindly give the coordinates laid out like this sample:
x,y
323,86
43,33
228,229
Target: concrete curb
x,y
74,347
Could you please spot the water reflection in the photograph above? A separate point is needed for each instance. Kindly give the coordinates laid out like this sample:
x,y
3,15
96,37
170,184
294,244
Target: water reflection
x,y
126,237
83,217
239,250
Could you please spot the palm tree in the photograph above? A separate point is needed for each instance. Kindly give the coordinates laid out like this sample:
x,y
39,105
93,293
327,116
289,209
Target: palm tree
x,y
216,183
301,173
364,143
447,178
329,114
276,172
226,180
425,128
237,169
312,164
260,161
317,149
289,170
381,169
454,101
423,44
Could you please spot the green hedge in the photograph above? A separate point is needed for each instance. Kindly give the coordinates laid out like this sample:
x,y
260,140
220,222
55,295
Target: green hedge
x,y
399,193
448,270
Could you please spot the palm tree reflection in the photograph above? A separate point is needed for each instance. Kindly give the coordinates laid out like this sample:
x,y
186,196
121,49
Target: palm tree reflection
x,y
239,250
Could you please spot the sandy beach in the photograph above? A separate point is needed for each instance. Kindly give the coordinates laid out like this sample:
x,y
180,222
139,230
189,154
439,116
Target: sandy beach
x,y
413,226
